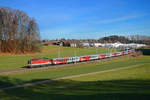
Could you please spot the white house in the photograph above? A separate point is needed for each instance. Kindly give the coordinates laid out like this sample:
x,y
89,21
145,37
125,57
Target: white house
x,y
86,44
73,45
120,45
97,44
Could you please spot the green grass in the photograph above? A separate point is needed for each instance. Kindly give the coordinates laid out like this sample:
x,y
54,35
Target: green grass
x,y
125,74
125,84
29,77
8,61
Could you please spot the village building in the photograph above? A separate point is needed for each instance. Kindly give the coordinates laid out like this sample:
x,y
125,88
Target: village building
x,y
51,43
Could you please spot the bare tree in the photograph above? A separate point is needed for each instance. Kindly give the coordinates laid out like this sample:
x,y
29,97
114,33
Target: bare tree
x,y
140,39
18,32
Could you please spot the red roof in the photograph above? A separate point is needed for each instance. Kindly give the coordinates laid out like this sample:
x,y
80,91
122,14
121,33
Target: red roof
x,y
50,42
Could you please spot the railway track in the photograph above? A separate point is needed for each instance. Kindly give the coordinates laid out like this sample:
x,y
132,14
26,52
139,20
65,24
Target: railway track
x,y
51,66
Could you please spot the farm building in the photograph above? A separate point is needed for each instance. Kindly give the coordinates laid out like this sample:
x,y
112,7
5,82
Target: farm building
x,y
51,43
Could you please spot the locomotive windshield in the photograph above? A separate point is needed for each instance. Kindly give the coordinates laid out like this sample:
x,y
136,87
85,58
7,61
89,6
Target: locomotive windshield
x,y
29,61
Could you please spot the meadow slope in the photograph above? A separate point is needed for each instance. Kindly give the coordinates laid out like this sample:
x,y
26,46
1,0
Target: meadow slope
x,y
10,61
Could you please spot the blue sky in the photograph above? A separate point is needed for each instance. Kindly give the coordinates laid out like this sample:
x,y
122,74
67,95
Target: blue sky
x,y
86,18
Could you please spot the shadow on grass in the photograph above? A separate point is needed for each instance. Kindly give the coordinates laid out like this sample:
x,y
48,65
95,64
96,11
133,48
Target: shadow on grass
x,y
78,90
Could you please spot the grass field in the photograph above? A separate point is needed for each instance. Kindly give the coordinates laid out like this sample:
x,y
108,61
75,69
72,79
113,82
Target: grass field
x,y
27,77
8,61
127,84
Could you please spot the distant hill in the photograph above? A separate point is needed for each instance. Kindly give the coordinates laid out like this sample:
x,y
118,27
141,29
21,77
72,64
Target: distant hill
x,y
113,39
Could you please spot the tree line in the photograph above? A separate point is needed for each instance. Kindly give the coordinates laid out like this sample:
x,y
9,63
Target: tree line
x,y
18,32
141,39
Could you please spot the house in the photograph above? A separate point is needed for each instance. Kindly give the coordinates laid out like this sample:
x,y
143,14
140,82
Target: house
x,y
86,44
121,45
97,44
134,45
51,43
73,45
69,43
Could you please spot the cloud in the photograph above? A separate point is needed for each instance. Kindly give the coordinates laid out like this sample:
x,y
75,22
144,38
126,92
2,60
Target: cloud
x,y
117,19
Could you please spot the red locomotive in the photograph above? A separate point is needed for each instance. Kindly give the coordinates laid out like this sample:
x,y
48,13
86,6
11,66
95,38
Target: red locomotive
x,y
39,62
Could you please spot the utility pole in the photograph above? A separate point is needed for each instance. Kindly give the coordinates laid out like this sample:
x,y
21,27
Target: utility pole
x,y
75,54
96,49
105,40
59,48
109,41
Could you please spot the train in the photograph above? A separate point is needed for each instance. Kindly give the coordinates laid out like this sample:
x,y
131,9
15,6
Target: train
x,y
32,63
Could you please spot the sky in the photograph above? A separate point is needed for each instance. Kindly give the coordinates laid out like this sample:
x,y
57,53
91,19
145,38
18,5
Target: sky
x,y
82,19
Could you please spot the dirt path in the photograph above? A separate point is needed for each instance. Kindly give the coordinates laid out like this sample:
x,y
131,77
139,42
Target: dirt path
x,y
68,77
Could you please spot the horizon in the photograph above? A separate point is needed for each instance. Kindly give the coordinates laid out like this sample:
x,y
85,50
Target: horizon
x,y
86,19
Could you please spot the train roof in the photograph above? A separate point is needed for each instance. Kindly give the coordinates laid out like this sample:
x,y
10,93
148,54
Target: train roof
x,y
38,58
